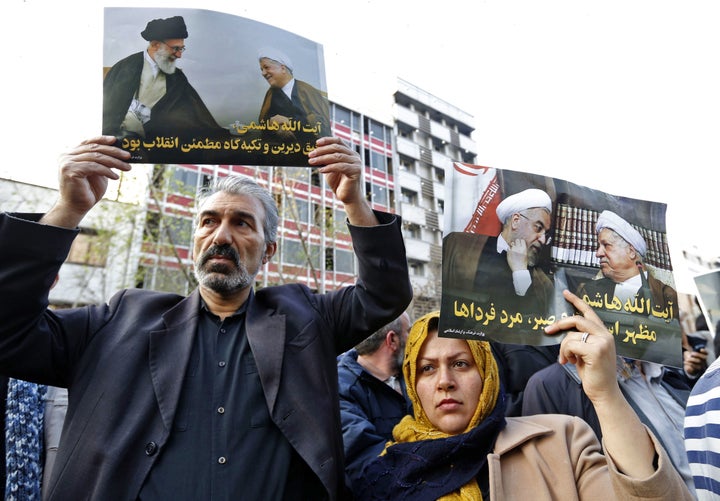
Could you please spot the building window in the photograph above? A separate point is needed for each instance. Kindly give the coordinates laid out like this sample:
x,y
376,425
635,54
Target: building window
x,y
151,230
329,259
413,231
344,261
89,248
339,260
405,131
278,197
183,181
318,213
340,221
171,280
380,195
407,164
297,209
179,230
292,252
140,276
377,130
168,229
408,196
342,116
355,122
157,176
417,269
378,161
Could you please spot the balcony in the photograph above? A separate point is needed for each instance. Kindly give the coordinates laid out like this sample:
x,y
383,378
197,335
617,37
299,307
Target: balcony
x,y
412,213
418,250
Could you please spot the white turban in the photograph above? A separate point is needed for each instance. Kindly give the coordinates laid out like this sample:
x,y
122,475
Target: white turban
x,y
614,222
528,199
276,55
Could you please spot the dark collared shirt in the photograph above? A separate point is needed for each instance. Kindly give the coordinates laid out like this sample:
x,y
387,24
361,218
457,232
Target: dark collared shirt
x,y
223,445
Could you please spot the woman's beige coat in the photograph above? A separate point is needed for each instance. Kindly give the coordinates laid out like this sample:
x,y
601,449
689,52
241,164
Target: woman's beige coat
x,y
536,456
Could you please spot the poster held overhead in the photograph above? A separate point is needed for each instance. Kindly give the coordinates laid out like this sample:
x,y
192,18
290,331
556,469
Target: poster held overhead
x,y
204,87
514,241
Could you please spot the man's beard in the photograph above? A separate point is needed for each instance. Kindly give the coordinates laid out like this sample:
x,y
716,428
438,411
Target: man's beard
x,y
222,277
399,358
162,58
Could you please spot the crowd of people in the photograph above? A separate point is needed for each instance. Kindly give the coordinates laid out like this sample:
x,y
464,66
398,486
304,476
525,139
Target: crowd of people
x,y
330,396
282,393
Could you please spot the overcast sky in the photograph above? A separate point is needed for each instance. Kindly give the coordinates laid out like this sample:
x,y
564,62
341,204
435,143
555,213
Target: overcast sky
x,y
618,95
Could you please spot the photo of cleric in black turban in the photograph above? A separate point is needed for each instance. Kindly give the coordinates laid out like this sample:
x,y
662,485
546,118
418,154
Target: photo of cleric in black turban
x,y
146,95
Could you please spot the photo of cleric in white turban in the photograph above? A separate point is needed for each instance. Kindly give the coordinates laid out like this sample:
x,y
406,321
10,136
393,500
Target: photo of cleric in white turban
x,y
292,110
506,270
623,276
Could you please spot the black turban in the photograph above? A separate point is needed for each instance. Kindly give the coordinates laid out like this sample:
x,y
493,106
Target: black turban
x,y
165,29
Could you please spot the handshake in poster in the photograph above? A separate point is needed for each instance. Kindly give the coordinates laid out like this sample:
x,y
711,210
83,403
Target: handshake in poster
x,y
171,77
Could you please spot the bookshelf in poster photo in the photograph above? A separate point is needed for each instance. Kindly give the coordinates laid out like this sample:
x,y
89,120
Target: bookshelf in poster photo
x,y
567,235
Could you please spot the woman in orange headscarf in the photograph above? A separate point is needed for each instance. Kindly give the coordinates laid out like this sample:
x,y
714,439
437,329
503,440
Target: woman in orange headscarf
x,y
460,446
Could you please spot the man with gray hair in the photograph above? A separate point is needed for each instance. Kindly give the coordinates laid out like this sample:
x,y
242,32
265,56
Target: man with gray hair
x,y
228,392
507,267
373,398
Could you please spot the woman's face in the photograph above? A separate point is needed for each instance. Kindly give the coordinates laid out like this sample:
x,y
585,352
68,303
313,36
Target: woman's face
x,y
448,383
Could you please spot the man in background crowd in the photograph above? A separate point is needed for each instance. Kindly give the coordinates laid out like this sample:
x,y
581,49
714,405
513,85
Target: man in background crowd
x,y
373,398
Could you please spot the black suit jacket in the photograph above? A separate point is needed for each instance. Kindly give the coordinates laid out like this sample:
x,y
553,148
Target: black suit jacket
x,y
124,361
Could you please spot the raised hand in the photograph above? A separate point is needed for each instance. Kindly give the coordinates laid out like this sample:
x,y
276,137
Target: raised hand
x,y
84,175
343,172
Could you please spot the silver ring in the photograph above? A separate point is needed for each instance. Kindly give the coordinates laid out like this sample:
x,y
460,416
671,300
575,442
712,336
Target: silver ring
x,y
584,337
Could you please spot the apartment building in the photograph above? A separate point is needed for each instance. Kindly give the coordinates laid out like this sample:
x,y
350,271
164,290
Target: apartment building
x,y
430,135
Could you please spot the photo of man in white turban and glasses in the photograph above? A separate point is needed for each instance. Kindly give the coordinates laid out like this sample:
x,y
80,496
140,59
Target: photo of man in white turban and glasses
x,y
507,269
